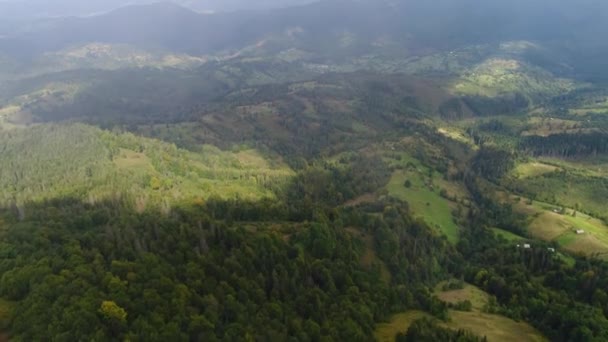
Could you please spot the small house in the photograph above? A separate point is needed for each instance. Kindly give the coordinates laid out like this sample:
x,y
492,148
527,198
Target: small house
x,y
580,231
527,246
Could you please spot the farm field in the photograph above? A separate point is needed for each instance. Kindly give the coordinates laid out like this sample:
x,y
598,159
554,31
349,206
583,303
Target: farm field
x,y
496,328
571,183
548,225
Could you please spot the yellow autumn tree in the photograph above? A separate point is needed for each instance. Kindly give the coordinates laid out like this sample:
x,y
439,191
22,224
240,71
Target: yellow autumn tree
x,y
110,310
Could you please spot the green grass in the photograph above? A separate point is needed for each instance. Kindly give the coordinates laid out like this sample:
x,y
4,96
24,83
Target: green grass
x,y
424,202
584,188
496,328
507,235
533,169
476,296
550,226
385,332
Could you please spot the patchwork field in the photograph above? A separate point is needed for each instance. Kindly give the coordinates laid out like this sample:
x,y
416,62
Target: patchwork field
x,y
580,183
547,223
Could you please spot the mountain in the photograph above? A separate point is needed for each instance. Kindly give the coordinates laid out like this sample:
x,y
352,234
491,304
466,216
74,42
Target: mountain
x,y
353,27
343,170
32,9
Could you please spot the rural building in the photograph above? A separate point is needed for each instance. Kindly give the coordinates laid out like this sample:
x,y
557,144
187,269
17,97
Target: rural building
x,y
527,246
580,231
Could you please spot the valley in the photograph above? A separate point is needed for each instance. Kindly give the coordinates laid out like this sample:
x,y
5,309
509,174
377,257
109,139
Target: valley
x,y
381,171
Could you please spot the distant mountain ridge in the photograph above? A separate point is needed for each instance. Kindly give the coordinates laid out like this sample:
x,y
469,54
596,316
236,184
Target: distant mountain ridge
x,y
28,9
439,23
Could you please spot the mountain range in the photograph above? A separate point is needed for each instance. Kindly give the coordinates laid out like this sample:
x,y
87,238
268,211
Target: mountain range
x,y
339,170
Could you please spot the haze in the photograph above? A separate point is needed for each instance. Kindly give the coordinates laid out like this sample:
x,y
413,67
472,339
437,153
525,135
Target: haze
x,y
56,8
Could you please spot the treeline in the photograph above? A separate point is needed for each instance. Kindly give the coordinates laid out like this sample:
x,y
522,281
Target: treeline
x,y
566,145
482,106
427,330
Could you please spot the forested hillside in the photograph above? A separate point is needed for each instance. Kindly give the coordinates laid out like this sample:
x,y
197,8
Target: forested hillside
x,y
336,171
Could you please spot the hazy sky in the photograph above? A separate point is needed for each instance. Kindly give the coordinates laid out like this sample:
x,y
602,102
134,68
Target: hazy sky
x,y
42,8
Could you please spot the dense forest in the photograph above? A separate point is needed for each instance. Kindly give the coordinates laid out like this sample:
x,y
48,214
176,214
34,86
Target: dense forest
x,y
275,269
214,271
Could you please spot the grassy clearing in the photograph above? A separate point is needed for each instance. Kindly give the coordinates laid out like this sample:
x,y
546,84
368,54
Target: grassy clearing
x,y
424,201
533,169
496,328
507,235
458,135
477,297
385,332
131,160
420,187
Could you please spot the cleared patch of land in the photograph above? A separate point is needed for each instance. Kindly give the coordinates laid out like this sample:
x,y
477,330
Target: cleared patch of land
x,y
548,225
495,327
477,297
365,198
385,332
425,201
507,235
533,169
128,159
